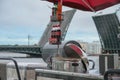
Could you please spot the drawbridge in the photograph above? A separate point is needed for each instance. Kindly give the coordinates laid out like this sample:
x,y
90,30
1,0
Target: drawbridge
x,y
37,50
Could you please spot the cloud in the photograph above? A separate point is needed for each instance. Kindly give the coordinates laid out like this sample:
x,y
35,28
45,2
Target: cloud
x,y
24,12
82,27
82,36
20,41
18,18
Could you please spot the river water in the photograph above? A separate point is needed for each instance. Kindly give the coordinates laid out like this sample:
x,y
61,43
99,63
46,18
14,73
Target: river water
x,y
22,59
24,62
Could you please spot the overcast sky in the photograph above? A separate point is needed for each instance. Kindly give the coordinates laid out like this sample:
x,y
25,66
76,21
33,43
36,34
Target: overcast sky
x,y
20,18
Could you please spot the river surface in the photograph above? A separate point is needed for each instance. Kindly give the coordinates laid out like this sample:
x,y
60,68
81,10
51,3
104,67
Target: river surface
x,y
22,59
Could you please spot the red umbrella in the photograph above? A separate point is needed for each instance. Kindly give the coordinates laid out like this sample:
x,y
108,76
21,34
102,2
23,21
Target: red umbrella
x,y
89,5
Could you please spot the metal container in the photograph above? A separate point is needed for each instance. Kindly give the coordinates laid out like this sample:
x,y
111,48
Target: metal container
x,y
108,61
67,64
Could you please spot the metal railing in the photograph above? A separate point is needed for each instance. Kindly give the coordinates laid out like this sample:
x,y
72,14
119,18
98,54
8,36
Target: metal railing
x,y
112,73
16,66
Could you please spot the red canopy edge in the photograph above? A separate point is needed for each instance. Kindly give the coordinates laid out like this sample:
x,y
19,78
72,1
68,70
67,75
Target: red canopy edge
x,y
96,5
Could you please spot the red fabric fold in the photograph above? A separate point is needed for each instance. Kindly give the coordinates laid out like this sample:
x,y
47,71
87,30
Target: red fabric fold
x,y
86,5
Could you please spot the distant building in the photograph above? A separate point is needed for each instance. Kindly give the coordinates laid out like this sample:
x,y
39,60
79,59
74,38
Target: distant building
x,y
94,47
108,27
91,48
84,45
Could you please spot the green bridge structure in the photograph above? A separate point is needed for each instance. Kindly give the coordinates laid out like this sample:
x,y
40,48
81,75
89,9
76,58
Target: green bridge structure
x,y
108,28
30,50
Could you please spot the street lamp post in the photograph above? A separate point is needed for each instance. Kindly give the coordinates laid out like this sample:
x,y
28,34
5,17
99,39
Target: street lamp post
x,y
28,40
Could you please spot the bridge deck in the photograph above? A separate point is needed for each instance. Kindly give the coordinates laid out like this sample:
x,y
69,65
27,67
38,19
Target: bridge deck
x,y
30,50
